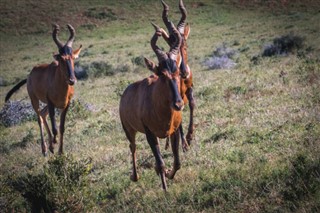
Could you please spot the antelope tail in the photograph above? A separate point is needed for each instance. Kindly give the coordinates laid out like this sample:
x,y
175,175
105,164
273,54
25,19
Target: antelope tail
x,y
14,89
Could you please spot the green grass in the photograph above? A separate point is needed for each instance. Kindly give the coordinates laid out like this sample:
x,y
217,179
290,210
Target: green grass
x,y
256,146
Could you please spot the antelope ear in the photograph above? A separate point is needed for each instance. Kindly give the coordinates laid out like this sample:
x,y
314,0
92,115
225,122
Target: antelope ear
x,y
77,52
151,65
186,31
55,56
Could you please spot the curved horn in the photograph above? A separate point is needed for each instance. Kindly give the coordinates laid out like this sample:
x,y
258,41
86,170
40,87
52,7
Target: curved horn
x,y
165,15
175,47
55,31
71,38
182,22
160,54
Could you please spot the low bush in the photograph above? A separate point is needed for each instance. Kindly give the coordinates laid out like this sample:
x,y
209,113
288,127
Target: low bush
x,y
101,13
222,58
98,69
283,45
16,112
62,185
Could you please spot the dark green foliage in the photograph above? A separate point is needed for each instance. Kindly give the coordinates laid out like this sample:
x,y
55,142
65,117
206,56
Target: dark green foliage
x,y
302,180
139,61
220,135
101,13
283,45
61,185
238,90
254,138
299,182
121,86
78,110
99,69
122,68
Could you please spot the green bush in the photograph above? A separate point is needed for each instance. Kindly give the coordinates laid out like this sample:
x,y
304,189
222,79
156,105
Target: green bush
x,y
139,61
101,13
61,184
77,110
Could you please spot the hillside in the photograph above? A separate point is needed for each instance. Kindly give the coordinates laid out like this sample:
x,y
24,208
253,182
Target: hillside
x,y
256,145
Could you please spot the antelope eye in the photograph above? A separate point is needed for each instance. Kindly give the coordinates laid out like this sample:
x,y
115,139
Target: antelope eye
x,y
170,65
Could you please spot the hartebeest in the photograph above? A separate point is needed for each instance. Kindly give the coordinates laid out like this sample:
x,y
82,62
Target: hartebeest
x,y
153,106
185,71
52,84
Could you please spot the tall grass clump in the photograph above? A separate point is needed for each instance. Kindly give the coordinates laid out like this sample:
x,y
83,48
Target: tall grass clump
x,y
283,45
97,69
100,13
62,184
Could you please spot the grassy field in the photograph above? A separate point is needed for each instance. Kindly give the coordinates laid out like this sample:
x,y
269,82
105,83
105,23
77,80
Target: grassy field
x,y
257,138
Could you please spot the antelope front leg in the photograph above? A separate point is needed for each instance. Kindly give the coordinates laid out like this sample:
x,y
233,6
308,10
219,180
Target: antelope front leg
x,y
43,143
160,166
44,114
175,137
35,105
53,121
189,94
62,121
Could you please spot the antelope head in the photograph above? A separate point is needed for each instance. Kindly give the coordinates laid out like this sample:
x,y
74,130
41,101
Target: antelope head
x,y
167,67
66,55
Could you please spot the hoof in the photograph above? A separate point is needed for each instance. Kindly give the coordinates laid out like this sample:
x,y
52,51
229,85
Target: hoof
x,y
54,141
45,154
170,174
185,148
51,149
185,145
189,138
134,178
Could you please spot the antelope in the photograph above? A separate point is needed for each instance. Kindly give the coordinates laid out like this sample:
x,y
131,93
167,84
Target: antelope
x,y
153,106
185,72
52,84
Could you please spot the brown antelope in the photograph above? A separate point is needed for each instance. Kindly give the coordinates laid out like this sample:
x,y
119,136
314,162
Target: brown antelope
x,y
185,72
52,84
153,106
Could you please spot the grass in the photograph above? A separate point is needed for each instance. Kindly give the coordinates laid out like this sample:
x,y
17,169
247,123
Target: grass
x,y
256,147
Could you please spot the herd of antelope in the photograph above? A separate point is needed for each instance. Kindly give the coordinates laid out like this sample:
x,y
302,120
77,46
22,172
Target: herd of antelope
x,y
151,106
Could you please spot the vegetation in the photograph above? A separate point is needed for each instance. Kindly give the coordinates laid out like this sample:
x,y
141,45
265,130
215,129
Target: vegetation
x,y
257,143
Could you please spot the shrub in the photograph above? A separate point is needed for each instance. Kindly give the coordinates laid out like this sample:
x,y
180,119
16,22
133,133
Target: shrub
x,y
283,45
139,61
3,82
122,68
121,86
60,185
101,13
78,109
80,72
222,58
98,69
16,112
